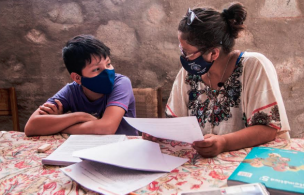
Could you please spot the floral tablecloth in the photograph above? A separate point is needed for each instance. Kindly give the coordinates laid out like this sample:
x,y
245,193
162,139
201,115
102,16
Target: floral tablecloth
x,y
21,170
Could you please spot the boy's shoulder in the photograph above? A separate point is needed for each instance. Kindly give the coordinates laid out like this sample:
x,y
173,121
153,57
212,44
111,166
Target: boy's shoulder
x,y
119,78
73,86
70,89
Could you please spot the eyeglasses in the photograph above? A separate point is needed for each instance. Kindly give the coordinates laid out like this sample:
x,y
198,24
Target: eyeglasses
x,y
184,54
191,16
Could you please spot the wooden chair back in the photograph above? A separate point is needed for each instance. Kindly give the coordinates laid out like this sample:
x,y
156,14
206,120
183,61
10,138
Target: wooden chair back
x,y
8,105
148,102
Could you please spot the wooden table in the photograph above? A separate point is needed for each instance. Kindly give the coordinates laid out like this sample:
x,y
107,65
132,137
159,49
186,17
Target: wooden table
x,y
21,171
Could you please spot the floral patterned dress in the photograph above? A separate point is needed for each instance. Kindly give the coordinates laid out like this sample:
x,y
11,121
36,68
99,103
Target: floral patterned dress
x,y
250,96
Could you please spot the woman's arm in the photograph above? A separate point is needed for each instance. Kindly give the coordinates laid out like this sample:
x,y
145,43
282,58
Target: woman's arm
x,y
250,136
213,145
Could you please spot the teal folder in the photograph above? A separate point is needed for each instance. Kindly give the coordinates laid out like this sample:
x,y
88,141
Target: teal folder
x,y
281,171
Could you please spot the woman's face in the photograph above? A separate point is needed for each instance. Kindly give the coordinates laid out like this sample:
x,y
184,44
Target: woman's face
x,y
189,49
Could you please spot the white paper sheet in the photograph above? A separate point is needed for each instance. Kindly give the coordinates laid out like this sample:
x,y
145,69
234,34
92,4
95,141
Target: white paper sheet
x,y
133,154
185,129
108,179
63,154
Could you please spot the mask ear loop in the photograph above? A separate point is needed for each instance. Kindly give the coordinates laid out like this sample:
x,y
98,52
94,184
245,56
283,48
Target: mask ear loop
x,y
209,50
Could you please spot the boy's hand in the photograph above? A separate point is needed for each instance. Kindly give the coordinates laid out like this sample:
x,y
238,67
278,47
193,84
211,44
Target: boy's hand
x,y
48,108
85,117
76,128
211,146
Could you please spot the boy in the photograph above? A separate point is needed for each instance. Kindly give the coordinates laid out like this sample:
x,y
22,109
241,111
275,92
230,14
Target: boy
x,y
97,99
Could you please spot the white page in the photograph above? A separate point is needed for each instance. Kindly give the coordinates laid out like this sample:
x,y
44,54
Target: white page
x,y
108,179
185,129
133,154
63,154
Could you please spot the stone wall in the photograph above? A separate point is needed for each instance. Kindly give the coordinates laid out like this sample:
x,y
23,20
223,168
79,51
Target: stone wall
x,y
143,37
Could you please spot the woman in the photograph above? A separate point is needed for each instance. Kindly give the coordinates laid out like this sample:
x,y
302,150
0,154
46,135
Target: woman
x,y
234,95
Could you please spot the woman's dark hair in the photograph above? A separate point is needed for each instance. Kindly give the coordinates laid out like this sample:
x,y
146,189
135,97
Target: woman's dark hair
x,y
215,29
79,50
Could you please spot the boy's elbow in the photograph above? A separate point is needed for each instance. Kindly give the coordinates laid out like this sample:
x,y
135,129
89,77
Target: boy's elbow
x,y
107,129
110,130
28,130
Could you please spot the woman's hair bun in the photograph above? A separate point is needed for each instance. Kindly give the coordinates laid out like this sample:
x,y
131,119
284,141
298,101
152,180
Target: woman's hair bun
x,y
235,16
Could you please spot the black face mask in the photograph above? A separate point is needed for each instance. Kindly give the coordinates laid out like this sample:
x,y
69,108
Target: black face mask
x,y
197,66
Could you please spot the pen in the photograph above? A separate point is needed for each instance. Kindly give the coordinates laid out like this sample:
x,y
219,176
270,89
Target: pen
x,y
132,193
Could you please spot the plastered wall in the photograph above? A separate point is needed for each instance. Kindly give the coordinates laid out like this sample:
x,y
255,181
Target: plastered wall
x,y
143,37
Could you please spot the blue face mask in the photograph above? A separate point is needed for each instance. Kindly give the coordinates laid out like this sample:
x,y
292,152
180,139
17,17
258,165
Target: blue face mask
x,y
197,66
102,83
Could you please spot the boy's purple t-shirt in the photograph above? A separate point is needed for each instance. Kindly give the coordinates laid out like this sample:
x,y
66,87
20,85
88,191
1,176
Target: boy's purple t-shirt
x,y
73,99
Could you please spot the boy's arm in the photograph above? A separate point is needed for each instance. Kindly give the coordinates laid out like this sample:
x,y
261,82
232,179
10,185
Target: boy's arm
x,y
49,108
108,124
51,124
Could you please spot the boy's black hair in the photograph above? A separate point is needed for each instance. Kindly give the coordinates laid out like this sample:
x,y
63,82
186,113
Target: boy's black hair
x,y
79,50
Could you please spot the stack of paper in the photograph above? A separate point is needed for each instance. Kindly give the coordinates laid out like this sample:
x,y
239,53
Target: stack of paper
x,y
123,167
63,154
132,154
119,167
108,179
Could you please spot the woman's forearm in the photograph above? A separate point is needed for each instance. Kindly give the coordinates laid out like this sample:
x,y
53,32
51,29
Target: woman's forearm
x,y
249,137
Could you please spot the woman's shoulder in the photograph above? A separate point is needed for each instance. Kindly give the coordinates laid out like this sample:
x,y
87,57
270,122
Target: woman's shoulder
x,y
255,56
182,73
255,60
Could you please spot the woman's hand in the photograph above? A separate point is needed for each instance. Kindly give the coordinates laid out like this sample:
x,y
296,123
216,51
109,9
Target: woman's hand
x,y
211,146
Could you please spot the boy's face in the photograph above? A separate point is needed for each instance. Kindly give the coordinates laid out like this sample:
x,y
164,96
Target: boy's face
x,y
96,66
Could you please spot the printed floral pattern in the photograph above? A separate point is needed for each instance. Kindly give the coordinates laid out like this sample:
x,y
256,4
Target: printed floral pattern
x,y
271,119
21,171
216,108
260,118
275,114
